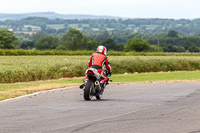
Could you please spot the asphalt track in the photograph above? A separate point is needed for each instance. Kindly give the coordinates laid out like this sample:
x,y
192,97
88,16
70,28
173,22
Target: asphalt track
x,y
130,108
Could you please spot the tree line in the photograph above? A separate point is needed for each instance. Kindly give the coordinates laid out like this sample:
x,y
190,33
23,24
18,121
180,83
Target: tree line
x,y
172,41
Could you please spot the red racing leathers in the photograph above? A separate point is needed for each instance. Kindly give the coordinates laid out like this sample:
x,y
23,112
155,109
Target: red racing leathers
x,y
97,61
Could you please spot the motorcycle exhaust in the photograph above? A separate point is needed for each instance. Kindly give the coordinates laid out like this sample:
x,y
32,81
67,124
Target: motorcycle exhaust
x,y
97,83
98,87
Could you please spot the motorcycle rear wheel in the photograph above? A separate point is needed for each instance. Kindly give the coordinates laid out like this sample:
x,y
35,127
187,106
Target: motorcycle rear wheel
x,y
88,90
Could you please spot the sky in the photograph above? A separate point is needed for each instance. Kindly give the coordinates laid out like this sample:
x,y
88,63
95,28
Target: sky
x,y
176,9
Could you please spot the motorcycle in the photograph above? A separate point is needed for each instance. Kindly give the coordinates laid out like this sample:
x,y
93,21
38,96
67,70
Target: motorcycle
x,y
93,85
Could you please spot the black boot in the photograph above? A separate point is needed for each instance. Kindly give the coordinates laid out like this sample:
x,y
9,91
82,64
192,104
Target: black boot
x,y
82,86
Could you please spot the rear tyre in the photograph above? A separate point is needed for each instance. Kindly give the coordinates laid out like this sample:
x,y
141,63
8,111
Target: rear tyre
x,y
88,90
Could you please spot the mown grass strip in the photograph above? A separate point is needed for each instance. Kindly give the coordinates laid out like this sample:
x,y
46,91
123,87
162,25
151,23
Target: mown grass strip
x,y
19,89
161,76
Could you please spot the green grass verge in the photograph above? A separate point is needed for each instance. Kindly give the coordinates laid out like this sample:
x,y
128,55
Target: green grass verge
x,y
18,89
162,76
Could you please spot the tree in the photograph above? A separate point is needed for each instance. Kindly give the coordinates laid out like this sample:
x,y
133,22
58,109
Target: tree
x,y
136,44
92,44
170,48
119,47
8,40
155,48
103,35
74,40
172,33
50,31
36,36
194,48
61,46
27,45
180,49
43,27
48,42
109,44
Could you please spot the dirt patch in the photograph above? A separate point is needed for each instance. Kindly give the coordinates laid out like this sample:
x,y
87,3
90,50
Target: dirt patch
x,y
49,86
43,80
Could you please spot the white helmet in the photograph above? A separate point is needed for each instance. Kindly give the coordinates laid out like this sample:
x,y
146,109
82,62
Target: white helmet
x,y
102,49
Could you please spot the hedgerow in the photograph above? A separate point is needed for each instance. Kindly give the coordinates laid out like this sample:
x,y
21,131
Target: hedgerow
x,y
21,52
32,68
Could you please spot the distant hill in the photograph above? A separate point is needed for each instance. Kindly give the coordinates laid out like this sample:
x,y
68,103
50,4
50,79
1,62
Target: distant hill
x,y
52,15
46,21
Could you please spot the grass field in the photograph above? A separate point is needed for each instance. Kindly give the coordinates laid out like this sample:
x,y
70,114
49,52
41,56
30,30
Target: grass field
x,y
56,26
19,89
33,68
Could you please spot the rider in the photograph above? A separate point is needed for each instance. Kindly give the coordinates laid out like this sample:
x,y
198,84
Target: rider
x,y
98,61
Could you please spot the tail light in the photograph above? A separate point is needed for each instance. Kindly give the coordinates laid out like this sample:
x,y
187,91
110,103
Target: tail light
x,y
90,72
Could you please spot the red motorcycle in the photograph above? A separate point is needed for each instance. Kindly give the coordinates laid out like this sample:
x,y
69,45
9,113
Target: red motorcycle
x,y
94,85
